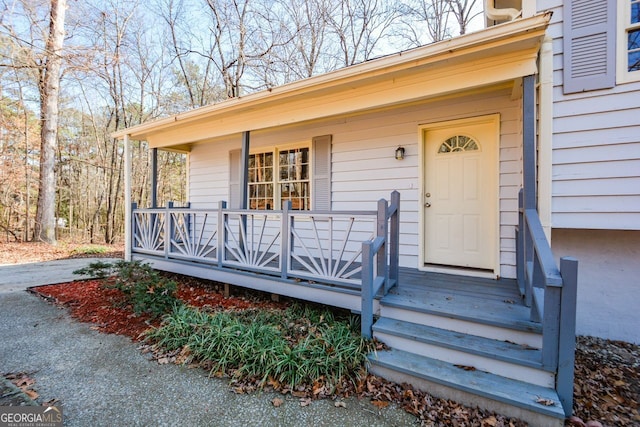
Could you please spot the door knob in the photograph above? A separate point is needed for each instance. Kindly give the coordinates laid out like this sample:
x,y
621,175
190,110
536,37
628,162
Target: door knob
x,y
427,205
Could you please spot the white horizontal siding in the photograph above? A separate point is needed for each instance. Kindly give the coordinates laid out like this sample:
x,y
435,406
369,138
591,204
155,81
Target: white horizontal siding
x,y
209,173
596,149
364,168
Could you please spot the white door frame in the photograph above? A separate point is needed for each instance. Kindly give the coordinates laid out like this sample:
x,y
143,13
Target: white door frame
x,y
422,129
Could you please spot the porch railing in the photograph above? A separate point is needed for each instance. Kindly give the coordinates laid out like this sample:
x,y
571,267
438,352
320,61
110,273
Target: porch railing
x,y
380,259
551,293
357,250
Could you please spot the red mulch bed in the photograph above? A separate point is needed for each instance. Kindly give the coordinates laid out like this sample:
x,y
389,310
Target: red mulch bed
x,y
598,362
105,307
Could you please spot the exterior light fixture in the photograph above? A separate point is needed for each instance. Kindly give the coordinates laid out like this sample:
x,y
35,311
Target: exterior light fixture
x,y
400,153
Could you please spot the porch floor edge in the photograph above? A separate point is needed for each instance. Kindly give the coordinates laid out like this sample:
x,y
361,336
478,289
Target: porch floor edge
x,y
323,294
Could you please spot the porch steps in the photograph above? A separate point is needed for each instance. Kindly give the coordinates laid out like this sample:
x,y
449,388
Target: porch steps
x,y
507,359
506,320
480,350
474,388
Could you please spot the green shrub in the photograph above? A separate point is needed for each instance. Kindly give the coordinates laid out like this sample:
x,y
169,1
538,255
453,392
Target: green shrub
x,y
143,287
91,249
97,269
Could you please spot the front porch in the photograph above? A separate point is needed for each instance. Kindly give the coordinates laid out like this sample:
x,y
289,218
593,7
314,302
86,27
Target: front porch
x,y
504,344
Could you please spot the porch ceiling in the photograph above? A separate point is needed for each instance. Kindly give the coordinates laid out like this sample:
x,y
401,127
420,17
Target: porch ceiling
x,y
496,54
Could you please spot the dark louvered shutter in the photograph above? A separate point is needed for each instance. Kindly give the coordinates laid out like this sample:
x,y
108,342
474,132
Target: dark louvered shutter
x,y
589,45
321,173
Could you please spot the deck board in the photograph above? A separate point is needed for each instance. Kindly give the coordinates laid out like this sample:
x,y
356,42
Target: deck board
x,y
414,281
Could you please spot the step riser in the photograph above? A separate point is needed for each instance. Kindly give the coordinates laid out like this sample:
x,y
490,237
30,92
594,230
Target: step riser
x,y
466,398
457,357
488,331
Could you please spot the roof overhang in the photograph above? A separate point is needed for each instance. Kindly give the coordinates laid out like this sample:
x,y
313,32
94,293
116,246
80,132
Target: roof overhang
x,y
493,55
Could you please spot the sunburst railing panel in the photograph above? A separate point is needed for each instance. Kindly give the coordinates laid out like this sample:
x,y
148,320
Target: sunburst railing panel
x,y
148,231
252,240
193,235
327,247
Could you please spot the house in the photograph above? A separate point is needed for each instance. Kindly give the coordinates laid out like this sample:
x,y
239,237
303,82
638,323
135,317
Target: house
x,y
421,189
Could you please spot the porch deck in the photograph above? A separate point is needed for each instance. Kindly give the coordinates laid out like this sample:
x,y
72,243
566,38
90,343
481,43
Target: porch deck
x,y
413,280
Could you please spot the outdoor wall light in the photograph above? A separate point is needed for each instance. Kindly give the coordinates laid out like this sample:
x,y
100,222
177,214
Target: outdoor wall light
x,y
400,153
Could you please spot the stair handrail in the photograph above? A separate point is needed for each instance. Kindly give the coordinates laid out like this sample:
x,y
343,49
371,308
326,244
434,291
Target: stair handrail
x,y
380,259
551,293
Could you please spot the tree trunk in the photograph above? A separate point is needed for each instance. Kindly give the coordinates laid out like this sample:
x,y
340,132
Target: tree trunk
x,y
45,215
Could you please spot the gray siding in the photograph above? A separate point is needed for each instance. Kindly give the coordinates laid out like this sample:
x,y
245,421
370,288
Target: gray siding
x,y
596,149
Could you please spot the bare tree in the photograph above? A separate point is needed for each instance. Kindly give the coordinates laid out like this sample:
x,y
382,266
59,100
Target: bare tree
x,y
305,24
245,34
425,21
45,225
464,11
360,26
189,71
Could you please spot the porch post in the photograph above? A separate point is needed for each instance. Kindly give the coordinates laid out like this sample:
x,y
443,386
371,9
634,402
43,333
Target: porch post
x,y
127,199
529,141
154,177
244,182
567,337
244,171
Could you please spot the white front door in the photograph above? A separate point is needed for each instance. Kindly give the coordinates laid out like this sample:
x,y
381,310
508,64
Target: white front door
x,y
460,193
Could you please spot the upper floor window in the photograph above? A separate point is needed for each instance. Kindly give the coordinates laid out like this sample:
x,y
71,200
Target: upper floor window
x,y
628,40
278,175
633,38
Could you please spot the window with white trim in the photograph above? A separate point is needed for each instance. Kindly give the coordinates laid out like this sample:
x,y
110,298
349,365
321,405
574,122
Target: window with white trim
x,y
278,175
628,40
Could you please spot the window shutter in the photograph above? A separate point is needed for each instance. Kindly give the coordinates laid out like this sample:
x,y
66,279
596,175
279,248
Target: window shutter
x,y
589,45
321,173
234,179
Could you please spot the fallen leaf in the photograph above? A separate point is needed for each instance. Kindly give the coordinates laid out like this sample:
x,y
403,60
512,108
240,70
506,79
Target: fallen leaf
x,y
277,402
465,367
163,361
305,402
184,356
24,381
490,422
545,402
509,301
576,421
380,403
340,404
32,394
273,383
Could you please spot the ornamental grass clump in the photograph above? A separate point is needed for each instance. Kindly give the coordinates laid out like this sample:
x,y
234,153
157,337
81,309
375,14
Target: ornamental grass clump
x,y
297,346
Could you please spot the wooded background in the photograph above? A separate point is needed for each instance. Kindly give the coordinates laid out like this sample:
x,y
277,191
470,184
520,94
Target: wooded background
x,y
124,62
